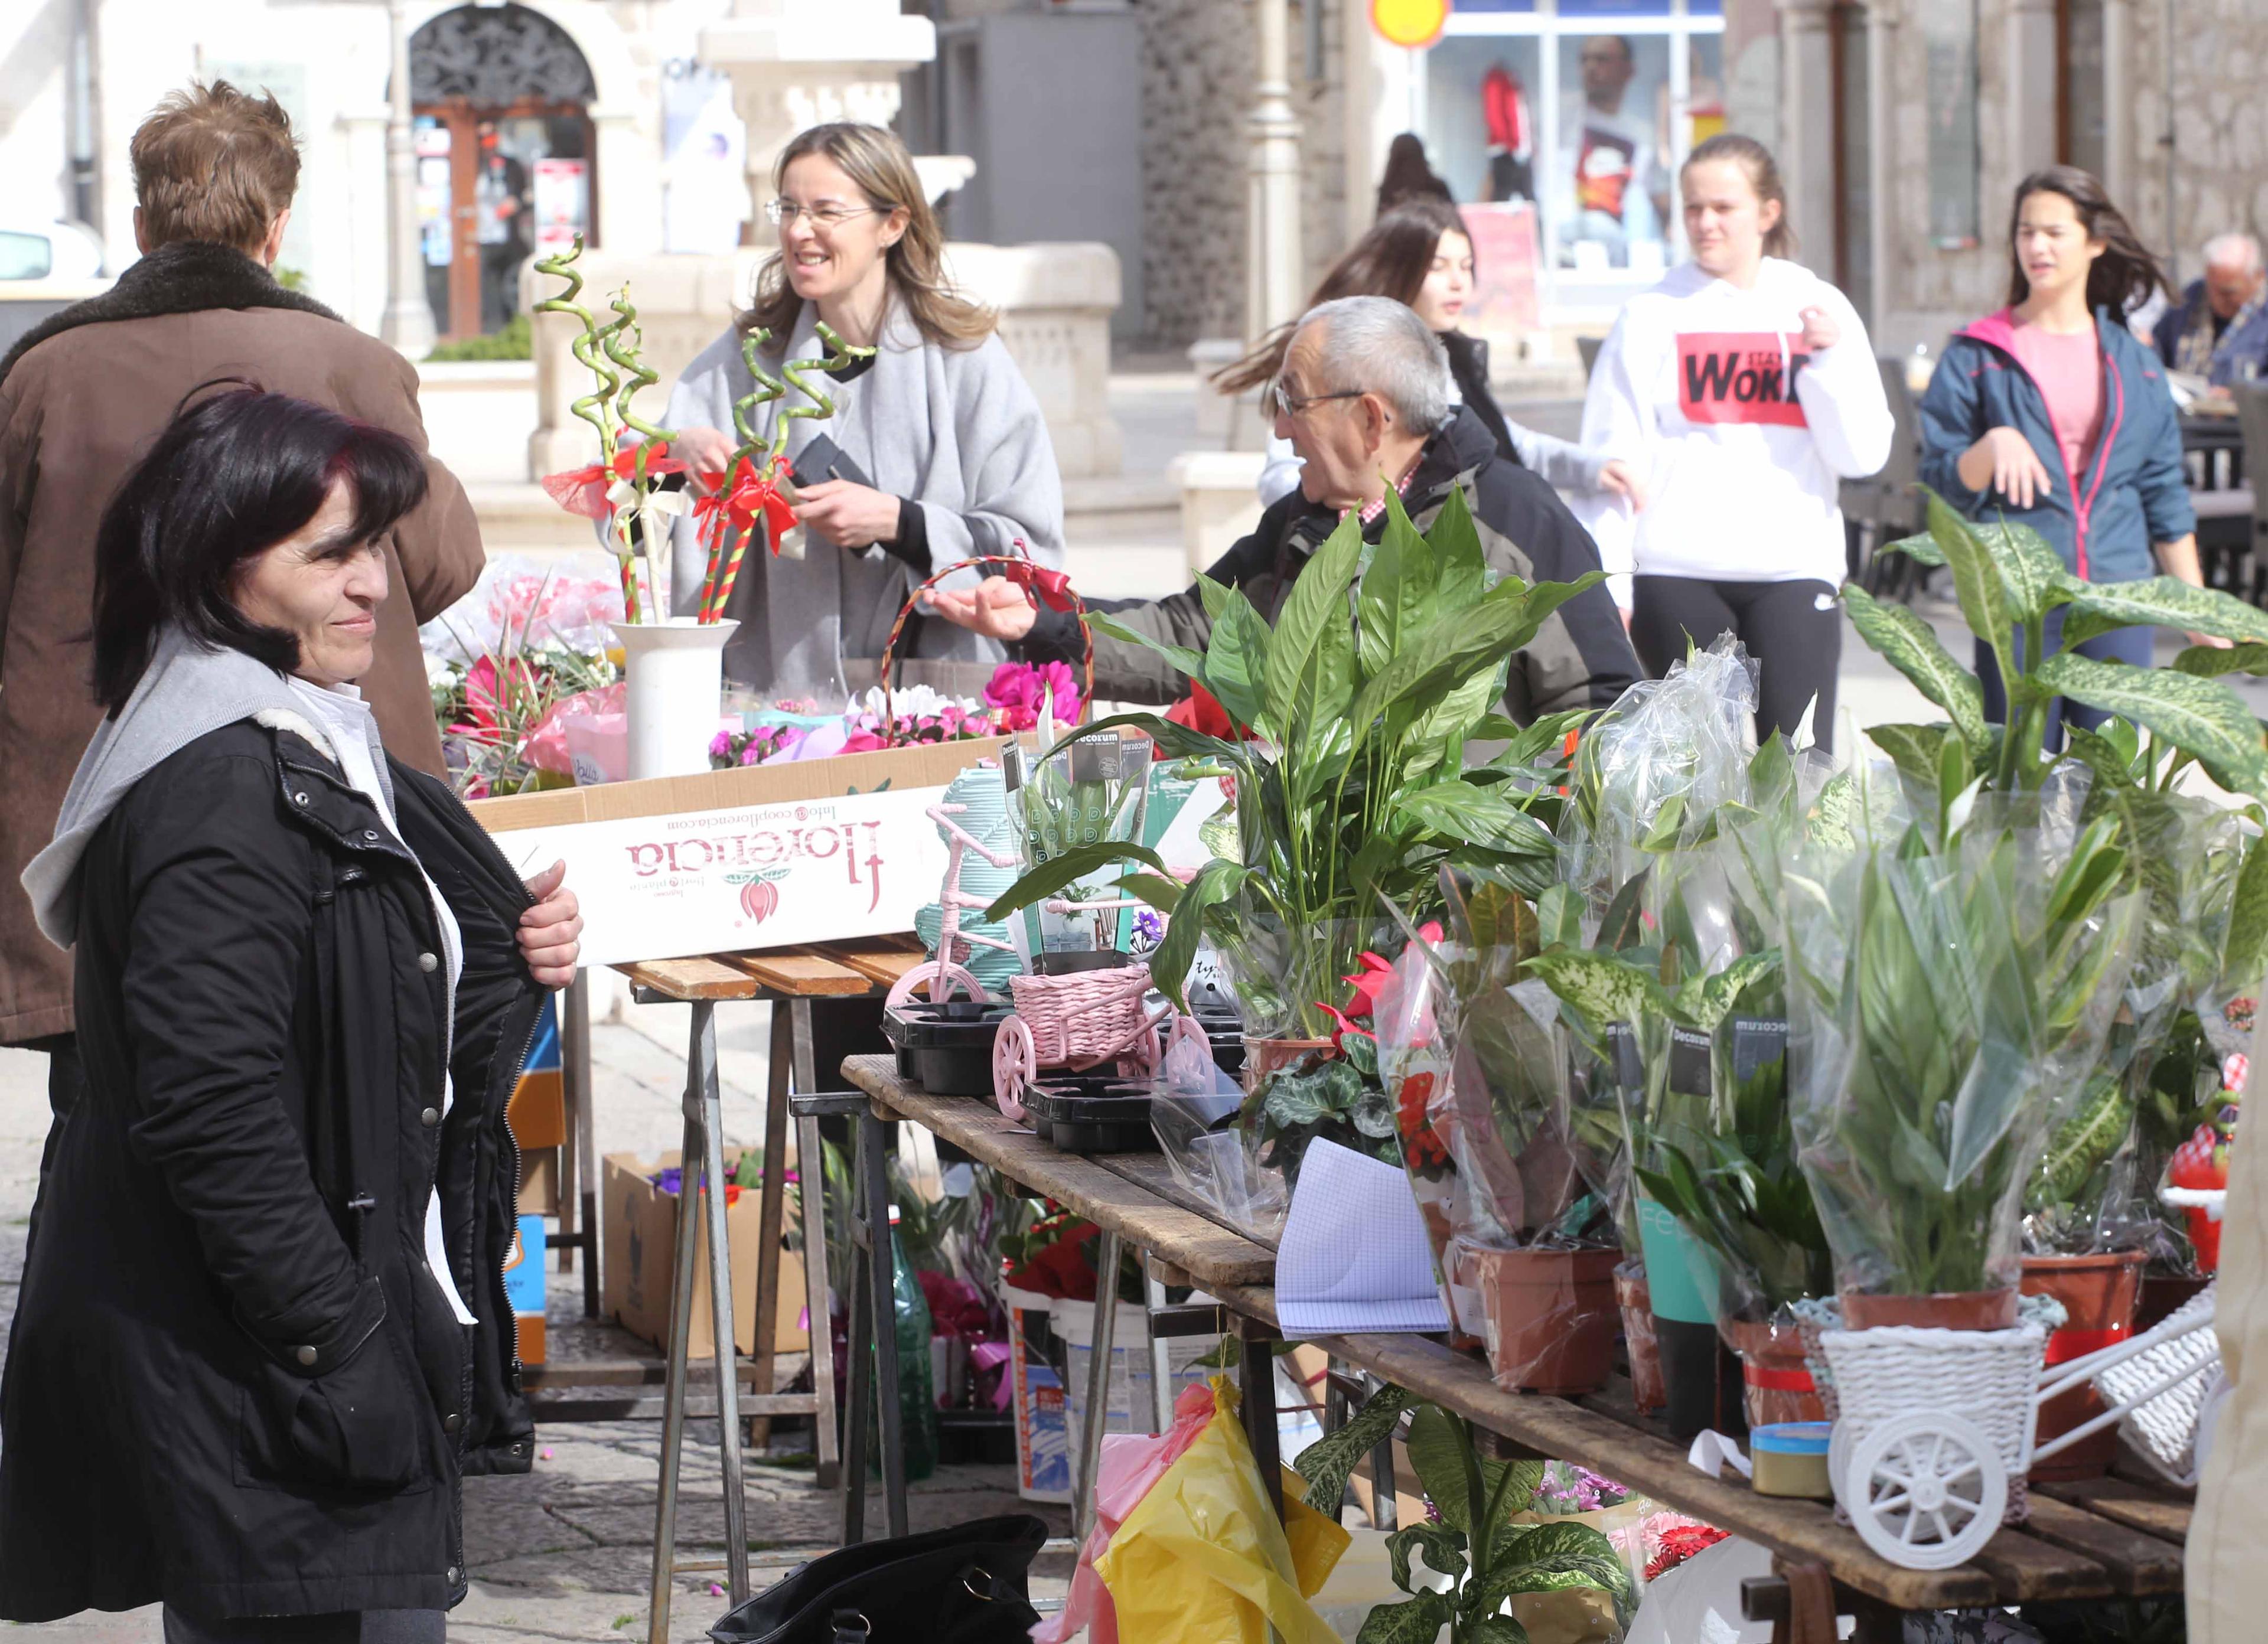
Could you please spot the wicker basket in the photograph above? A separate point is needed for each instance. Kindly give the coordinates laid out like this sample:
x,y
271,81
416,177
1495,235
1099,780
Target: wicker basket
x,y
1087,1017
2165,1428
1988,1377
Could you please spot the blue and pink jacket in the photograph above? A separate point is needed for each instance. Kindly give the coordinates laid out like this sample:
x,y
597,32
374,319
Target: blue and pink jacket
x,y
2132,493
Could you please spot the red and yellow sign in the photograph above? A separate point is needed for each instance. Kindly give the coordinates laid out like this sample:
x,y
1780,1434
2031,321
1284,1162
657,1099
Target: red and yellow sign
x,y
1413,23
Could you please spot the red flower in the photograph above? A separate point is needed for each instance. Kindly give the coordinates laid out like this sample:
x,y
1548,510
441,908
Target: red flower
x,y
1420,1142
1202,712
584,491
1371,971
1678,1544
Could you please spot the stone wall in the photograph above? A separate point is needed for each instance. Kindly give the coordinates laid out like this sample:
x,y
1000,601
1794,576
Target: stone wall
x,y
2220,125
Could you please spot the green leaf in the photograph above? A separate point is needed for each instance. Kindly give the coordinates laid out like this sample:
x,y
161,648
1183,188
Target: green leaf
x,y
1456,545
2211,662
2158,602
1317,603
2101,756
1462,640
1438,1449
1328,1462
1397,595
1236,663
1080,862
1181,655
1478,816
1975,583
1711,997
2031,571
1911,646
2202,717
1177,950
1598,986
1923,548
1498,1630
2245,957
1418,1620
1442,1548
1156,890
1914,749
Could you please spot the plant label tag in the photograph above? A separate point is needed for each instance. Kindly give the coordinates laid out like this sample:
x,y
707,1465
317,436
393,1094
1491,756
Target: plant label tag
x,y
1688,1062
1629,1065
1757,1043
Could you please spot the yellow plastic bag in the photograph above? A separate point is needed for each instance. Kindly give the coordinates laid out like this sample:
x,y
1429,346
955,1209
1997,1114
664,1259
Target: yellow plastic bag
x,y
1202,1559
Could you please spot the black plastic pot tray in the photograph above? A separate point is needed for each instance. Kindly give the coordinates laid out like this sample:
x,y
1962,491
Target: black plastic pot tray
x,y
946,1048
1091,1113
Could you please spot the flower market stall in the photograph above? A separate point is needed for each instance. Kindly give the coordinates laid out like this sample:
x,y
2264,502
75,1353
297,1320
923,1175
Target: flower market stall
x,y
1830,1152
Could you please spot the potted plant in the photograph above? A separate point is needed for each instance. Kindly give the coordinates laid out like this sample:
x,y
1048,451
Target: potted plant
x,y
1354,711
1487,1558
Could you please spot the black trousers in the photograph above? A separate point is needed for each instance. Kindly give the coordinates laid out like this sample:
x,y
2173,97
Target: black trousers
x,y
345,1626
1792,629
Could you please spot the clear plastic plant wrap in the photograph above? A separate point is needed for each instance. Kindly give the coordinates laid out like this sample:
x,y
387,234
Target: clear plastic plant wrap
x,y
1197,1113
1946,991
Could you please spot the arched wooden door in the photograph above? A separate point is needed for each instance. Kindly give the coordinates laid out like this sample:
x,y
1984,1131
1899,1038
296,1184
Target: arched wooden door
x,y
507,167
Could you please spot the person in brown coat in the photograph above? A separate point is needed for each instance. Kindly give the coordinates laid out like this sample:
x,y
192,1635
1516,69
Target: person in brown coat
x,y
82,396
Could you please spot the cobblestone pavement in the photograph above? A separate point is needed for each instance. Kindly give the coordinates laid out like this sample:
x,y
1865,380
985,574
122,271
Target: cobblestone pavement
x,y
565,1553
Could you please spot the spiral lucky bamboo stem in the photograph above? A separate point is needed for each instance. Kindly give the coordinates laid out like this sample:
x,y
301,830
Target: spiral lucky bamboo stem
x,y
590,408
839,354
721,557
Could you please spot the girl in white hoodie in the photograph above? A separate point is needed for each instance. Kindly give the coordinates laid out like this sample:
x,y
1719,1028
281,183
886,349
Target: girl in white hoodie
x,y
1742,390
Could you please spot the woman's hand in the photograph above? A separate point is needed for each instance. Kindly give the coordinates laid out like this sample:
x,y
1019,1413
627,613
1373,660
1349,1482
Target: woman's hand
x,y
1620,478
996,608
2005,461
704,451
2178,559
847,514
1819,331
550,932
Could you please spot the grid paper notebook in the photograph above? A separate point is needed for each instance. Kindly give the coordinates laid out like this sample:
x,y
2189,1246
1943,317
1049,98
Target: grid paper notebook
x,y
1354,1258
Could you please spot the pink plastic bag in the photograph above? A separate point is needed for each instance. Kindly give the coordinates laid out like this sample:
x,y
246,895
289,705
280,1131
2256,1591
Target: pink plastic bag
x,y
1130,1463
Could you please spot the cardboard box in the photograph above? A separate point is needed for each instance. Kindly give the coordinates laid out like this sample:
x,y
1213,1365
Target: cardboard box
x,y
762,856
539,1182
641,1242
537,1108
523,1286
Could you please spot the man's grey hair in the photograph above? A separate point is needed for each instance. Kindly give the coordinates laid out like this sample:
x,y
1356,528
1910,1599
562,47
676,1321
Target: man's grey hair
x,y
2233,251
1376,345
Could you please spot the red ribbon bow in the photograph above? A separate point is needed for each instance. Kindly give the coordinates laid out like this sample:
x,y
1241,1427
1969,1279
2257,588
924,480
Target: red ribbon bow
x,y
1053,588
737,501
584,491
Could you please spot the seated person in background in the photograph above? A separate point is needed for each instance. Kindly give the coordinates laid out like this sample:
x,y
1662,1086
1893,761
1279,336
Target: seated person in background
x,y
1362,399
2219,330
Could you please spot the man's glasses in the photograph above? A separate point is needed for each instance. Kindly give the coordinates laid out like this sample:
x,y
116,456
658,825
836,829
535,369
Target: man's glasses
x,y
1291,405
825,215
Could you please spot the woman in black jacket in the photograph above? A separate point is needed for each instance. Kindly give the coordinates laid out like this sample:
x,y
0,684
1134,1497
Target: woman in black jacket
x,y
263,1330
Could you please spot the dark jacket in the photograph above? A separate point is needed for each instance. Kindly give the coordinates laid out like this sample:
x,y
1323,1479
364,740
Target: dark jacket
x,y
2134,493
232,1383
1469,365
2244,339
82,395
1580,659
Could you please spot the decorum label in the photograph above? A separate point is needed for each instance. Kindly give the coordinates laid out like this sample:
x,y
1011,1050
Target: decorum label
x,y
763,876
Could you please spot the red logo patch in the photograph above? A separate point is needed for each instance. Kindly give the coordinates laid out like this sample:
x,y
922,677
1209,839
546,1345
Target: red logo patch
x,y
1740,376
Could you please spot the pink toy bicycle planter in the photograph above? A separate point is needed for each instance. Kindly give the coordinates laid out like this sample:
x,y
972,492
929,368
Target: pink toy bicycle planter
x,y
1079,1022
943,973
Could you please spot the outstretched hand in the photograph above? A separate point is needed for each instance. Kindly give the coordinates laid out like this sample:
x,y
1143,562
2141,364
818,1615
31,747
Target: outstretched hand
x,y
996,607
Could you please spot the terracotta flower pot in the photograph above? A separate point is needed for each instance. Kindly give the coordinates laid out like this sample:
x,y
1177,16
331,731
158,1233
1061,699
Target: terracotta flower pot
x,y
1957,1309
2098,1293
2164,1295
1265,1056
1776,1383
1631,1295
1550,1317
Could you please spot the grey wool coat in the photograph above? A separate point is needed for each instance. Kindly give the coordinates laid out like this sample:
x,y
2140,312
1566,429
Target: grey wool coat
x,y
955,432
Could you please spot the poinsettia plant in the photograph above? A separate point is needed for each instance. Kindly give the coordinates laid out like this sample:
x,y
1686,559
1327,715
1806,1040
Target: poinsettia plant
x,y
1384,663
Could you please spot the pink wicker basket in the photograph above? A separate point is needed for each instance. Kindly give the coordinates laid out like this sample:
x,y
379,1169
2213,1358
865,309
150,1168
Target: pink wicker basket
x,y
1084,1018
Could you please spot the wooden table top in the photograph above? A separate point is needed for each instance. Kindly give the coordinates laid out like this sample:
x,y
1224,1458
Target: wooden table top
x,y
824,970
2112,1536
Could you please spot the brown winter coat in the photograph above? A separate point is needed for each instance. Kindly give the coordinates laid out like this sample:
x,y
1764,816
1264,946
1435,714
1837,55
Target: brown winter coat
x,y
81,398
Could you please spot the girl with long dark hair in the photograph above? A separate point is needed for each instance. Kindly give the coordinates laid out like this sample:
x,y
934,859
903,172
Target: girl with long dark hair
x,y
2050,414
1420,254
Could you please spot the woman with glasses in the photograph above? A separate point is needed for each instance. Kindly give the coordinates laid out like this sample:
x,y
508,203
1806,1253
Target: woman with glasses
x,y
936,452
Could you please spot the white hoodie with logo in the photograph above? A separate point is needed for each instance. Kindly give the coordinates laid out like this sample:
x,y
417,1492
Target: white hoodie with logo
x,y
1691,389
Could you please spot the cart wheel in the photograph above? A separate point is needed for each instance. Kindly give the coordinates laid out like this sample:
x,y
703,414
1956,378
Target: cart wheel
x,y
941,977
1015,1064
1143,1057
1188,1029
1838,1460
1926,1490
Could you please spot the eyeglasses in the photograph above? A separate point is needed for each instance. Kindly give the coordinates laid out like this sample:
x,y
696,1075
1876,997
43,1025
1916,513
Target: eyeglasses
x,y
1291,405
825,215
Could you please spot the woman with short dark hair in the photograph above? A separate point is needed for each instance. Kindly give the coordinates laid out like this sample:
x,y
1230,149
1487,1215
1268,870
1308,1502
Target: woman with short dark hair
x,y
262,1329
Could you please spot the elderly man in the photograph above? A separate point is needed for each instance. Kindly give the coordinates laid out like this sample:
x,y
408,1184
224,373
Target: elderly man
x,y
81,397
1363,399
2219,330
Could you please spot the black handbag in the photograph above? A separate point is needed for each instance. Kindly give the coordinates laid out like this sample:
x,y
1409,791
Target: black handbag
x,y
961,1585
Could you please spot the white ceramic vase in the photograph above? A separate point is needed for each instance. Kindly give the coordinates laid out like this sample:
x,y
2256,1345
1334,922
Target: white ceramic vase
x,y
675,686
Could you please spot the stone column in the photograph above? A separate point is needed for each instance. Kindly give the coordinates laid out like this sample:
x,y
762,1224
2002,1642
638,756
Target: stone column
x,y
408,322
1881,159
1273,285
1807,151
2031,85
2119,90
798,64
